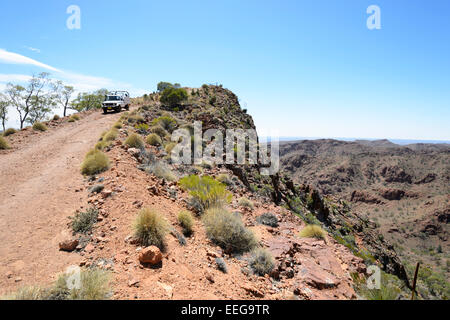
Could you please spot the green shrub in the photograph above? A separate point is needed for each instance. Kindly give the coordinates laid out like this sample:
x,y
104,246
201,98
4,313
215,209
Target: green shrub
x,y
111,135
3,144
141,128
56,117
117,125
159,130
135,141
225,179
166,122
172,97
268,219
169,147
95,162
154,140
102,145
39,126
245,203
9,132
71,120
74,117
261,262
313,231
228,231
186,221
150,228
161,170
135,118
83,221
94,285
207,191
26,293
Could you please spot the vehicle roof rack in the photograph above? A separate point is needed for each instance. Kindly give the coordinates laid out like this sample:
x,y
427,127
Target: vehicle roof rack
x,y
123,92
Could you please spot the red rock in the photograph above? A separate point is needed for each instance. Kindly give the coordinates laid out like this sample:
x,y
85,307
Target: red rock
x,y
253,291
89,248
68,245
151,255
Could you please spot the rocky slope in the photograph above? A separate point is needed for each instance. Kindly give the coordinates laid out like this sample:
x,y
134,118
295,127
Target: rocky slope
x,y
403,190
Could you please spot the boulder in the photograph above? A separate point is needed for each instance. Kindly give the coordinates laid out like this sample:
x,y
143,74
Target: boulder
x,y
68,245
151,255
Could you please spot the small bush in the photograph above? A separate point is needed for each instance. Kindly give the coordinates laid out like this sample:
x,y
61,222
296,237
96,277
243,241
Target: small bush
x,y
117,125
227,230
135,141
3,144
94,285
207,191
75,117
221,265
159,130
261,262
154,140
166,122
135,118
142,128
245,203
162,171
172,96
111,135
95,162
313,231
225,179
169,147
150,228
83,222
9,132
56,117
27,293
71,120
186,221
102,145
39,126
268,219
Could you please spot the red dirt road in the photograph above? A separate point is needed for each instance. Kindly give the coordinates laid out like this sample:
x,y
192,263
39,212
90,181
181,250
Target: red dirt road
x,y
37,195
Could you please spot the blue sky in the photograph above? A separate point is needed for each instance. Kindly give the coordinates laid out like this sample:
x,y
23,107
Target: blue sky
x,y
301,68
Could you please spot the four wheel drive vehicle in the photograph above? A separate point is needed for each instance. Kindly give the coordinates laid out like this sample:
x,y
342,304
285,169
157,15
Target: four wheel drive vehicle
x,y
115,101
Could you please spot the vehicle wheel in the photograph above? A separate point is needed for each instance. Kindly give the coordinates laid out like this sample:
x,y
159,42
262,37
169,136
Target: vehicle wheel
x,y
127,107
105,111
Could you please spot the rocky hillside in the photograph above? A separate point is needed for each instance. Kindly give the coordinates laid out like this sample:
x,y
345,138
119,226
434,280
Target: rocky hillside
x,y
403,190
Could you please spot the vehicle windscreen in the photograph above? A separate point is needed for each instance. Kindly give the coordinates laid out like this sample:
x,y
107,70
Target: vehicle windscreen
x,y
113,98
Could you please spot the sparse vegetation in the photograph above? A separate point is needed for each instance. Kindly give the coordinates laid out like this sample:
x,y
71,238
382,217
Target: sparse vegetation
x,y
75,117
186,220
228,231
166,122
3,144
245,203
221,265
56,117
117,125
135,141
95,162
154,140
224,178
111,135
261,262
39,126
169,147
151,228
208,192
173,96
9,132
268,219
83,221
313,231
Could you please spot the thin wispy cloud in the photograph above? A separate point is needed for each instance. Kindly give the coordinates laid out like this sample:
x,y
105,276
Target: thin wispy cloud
x,y
80,82
15,58
33,49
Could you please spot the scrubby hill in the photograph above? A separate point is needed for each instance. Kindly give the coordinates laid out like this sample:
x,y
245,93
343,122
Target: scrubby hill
x,y
166,231
403,190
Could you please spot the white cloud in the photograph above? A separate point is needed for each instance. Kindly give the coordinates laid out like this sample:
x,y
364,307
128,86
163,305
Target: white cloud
x,y
15,58
81,83
33,49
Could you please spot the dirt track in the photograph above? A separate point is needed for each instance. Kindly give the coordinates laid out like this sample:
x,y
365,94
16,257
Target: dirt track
x,y
37,195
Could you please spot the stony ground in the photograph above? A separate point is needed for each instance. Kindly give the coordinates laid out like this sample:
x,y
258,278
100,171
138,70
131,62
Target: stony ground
x,y
39,178
43,188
